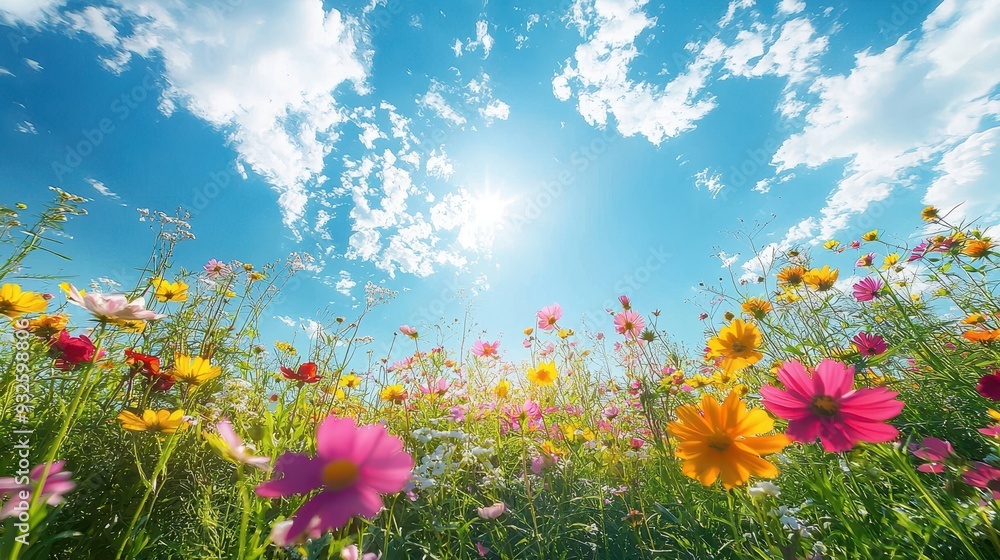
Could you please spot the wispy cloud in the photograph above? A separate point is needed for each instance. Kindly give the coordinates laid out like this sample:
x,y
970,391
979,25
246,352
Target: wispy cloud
x,y
102,188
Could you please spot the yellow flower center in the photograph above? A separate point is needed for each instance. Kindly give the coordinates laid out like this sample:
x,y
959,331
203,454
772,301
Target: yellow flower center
x,y
719,441
824,405
339,474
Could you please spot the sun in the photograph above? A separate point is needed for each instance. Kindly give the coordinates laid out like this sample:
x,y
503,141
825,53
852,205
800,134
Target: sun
x,y
489,210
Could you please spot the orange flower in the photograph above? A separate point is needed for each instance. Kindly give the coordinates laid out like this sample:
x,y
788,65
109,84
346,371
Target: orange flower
x,y
792,275
977,248
982,336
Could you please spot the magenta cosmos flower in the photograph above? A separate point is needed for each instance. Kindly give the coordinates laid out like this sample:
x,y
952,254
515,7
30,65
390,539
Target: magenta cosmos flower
x,y
485,349
352,468
548,316
982,475
989,386
629,323
824,405
867,289
57,484
933,450
869,344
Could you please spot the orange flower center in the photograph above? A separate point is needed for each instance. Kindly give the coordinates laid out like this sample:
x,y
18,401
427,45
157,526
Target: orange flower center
x,y
339,474
824,405
719,441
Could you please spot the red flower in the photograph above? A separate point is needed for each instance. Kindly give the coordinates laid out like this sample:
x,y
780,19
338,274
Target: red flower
x,y
148,365
989,386
306,373
70,351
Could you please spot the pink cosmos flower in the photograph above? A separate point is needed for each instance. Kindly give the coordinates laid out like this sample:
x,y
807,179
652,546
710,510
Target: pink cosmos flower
x,y
408,331
626,303
235,450
919,251
280,537
934,451
825,405
865,260
485,349
217,269
111,306
992,431
855,244
57,484
867,289
629,323
611,412
438,387
869,344
984,476
636,443
541,462
526,343
351,552
548,316
352,467
492,512
481,549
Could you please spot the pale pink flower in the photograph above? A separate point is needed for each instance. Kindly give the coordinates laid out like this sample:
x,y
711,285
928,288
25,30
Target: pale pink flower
x,y
933,450
629,323
57,485
492,512
485,349
351,552
408,331
548,316
481,549
234,449
111,306
217,269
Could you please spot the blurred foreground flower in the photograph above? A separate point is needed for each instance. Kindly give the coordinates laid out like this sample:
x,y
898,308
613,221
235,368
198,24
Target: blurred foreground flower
x,y
57,484
14,302
231,446
352,468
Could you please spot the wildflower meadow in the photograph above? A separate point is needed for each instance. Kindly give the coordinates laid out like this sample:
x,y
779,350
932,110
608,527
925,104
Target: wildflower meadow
x,y
820,420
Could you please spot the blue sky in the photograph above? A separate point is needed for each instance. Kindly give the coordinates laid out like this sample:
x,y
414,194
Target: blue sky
x,y
514,151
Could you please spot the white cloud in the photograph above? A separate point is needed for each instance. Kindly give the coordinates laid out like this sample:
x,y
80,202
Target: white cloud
x,y
705,179
867,117
5,72
265,74
967,185
33,64
495,109
791,6
98,22
25,127
438,164
345,284
483,37
28,12
102,188
434,101
457,48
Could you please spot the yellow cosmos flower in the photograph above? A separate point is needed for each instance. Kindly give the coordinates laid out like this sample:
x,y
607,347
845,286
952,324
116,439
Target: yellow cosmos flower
x,y
995,415
528,331
890,261
870,236
166,290
724,441
565,333
194,370
792,275
502,389
929,214
163,421
974,319
285,347
47,326
394,393
14,302
831,244
736,345
757,306
551,449
821,279
545,374
350,381
255,276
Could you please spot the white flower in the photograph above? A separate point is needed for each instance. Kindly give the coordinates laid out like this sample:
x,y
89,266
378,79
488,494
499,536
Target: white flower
x,y
764,488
